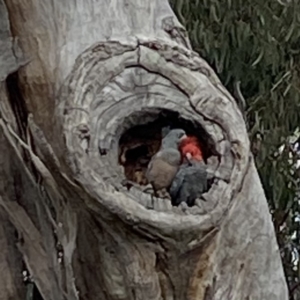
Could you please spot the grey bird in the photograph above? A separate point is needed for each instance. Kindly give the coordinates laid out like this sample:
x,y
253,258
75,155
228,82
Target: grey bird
x,y
189,183
165,163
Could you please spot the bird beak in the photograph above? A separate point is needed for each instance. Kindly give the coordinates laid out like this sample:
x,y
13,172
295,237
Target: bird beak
x,y
183,137
188,155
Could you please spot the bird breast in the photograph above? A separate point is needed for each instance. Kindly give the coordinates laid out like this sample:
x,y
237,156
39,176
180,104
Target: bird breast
x,y
171,156
161,173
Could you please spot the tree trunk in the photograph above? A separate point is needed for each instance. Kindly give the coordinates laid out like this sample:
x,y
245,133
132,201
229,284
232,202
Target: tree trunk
x,y
75,77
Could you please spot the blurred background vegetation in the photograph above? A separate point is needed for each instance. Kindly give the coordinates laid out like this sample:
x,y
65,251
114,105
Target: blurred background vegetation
x,y
254,47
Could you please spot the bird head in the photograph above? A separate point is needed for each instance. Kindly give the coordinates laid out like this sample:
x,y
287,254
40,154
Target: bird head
x,y
191,147
174,138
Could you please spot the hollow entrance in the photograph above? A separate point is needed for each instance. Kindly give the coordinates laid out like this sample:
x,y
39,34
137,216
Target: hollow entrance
x,y
138,144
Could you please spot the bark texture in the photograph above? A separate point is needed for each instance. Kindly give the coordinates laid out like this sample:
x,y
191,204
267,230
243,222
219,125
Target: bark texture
x,y
88,71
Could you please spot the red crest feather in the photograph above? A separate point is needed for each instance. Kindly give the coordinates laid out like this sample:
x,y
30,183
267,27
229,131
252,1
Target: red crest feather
x,y
192,146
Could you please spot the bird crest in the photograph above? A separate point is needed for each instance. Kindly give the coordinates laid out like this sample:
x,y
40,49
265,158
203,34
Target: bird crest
x,y
191,147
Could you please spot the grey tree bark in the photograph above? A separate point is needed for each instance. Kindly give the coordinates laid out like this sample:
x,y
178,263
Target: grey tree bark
x,y
75,75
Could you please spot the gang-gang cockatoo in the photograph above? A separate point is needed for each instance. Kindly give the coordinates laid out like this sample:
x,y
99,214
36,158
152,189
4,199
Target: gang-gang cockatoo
x,y
190,181
165,163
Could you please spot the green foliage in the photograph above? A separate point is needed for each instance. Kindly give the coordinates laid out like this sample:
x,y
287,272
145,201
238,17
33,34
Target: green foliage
x,y
258,43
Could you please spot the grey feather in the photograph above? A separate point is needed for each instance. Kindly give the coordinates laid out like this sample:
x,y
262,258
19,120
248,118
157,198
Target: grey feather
x,y
165,131
172,139
189,183
165,163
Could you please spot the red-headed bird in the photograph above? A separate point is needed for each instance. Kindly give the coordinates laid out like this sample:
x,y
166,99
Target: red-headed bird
x,y
190,181
191,145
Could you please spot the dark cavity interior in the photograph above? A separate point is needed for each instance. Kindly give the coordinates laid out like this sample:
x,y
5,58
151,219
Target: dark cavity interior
x,y
138,144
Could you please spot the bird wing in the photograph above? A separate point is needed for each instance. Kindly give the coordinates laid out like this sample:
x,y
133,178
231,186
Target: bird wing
x,y
190,182
197,178
177,181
